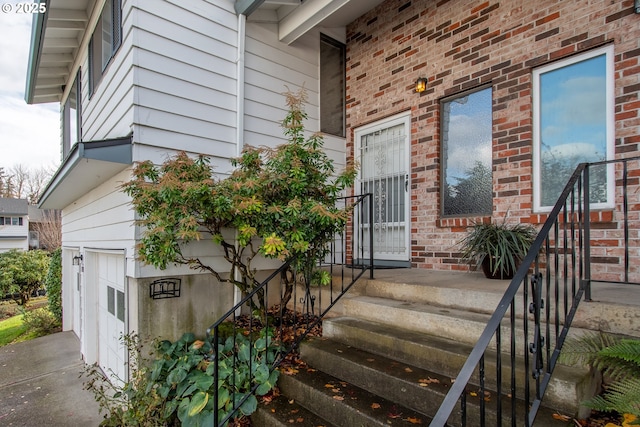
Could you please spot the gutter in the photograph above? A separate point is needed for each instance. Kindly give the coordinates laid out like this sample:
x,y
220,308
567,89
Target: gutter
x,y
242,23
38,27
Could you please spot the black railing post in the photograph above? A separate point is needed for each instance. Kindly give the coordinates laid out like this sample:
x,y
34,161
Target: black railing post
x,y
370,196
625,211
587,233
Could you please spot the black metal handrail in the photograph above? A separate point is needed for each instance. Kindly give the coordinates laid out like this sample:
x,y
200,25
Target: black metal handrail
x,y
544,293
308,309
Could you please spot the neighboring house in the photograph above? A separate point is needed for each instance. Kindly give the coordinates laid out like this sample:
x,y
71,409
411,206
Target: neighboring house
x,y
14,224
44,228
140,80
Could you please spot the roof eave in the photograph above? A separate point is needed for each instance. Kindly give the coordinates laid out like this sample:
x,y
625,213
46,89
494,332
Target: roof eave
x,y
88,165
35,50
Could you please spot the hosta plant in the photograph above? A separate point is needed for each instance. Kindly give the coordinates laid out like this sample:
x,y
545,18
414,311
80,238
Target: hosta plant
x,y
177,387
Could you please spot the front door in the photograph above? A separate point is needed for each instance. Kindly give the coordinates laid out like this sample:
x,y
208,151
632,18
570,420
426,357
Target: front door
x,y
382,151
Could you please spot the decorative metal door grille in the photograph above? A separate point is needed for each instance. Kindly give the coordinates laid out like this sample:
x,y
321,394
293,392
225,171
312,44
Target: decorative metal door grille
x,y
383,159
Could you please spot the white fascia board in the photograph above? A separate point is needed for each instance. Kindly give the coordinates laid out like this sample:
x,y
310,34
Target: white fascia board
x,y
305,17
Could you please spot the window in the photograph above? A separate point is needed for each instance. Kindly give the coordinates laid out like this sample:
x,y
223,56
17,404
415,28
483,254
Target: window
x,y
71,129
105,41
11,220
573,123
332,86
466,130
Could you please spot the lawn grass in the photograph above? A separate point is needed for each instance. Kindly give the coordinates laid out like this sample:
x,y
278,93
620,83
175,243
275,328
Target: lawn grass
x,y
11,329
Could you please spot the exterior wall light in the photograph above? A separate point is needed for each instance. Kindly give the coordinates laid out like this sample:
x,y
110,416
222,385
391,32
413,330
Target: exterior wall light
x,y
421,83
76,260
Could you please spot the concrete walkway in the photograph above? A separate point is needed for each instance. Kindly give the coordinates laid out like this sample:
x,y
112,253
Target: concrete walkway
x,y
40,384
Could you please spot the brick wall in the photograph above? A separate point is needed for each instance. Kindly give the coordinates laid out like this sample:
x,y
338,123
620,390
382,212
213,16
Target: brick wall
x,y
460,45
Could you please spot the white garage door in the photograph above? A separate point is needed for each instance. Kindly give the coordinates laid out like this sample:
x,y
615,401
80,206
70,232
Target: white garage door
x,y
112,355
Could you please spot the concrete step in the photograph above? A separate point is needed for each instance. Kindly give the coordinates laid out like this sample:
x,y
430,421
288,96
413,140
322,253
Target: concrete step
x,y
284,412
343,404
568,387
410,386
614,308
443,293
455,324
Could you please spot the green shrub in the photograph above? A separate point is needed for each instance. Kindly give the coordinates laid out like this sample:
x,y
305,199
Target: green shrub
x,y
40,321
53,283
177,386
22,273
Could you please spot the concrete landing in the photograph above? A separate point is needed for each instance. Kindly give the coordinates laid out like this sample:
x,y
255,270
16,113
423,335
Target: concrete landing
x,y
40,384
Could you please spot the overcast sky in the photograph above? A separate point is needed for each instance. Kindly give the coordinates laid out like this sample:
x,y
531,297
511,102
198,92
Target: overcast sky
x,y
29,134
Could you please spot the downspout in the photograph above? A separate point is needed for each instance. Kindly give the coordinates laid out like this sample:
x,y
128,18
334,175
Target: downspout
x,y
242,22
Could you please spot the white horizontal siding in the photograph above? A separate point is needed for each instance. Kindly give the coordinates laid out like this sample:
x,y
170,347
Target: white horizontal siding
x,y
272,68
19,244
101,218
185,77
15,230
109,111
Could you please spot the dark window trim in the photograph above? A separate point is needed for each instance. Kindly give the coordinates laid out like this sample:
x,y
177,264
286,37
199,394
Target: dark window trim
x,y
95,76
343,51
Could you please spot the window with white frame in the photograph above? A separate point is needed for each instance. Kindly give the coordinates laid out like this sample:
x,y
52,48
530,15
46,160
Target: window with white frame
x,y
332,86
11,220
466,129
573,122
105,41
71,128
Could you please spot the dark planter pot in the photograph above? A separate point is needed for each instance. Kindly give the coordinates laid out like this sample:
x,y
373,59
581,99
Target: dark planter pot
x,y
504,273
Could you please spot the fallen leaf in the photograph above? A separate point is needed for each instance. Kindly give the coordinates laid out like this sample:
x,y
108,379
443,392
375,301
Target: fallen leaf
x,y
375,406
413,420
561,417
336,390
408,370
300,419
338,397
371,360
288,370
473,393
393,413
327,385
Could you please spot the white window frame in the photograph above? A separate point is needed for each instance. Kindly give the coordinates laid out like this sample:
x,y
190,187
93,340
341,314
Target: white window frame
x,y
69,140
608,51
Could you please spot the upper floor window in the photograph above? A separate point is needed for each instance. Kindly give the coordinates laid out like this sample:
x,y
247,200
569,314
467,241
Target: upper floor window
x,y
11,220
71,128
105,41
332,86
573,122
466,129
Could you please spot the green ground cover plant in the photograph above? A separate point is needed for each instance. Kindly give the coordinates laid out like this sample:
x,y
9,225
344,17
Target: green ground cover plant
x,y
176,386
